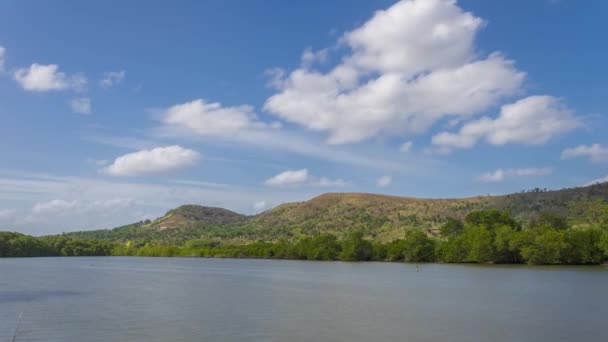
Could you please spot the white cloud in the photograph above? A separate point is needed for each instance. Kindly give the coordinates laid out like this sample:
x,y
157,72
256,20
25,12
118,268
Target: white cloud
x,y
330,183
156,160
61,209
276,78
289,178
597,181
500,175
406,146
56,206
212,119
2,58
40,77
111,202
595,153
409,66
491,177
7,213
81,105
260,205
239,125
384,181
112,78
309,57
533,120
302,177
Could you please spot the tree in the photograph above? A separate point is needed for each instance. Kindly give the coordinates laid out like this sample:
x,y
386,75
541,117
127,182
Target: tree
x,y
583,247
603,244
505,244
323,247
418,247
492,218
451,250
395,250
546,248
590,213
451,228
550,220
355,248
479,242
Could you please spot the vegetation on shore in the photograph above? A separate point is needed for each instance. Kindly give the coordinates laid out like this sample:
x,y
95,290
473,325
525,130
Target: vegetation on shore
x,y
484,236
380,218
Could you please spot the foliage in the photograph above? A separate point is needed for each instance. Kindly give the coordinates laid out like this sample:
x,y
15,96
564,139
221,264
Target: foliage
x,y
452,227
545,248
355,248
19,245
485,236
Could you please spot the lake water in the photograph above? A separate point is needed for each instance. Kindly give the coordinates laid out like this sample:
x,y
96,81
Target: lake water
x,y
175,299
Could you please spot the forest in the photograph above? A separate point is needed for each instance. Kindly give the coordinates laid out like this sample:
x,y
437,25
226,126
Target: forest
x,y
484,236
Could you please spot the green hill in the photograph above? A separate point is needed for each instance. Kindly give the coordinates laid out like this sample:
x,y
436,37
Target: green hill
x,y
380,217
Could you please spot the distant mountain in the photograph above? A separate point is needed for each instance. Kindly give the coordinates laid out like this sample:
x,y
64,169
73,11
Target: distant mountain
x,y
380,217
187,214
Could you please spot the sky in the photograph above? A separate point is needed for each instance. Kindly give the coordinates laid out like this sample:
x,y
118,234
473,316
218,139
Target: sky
x,y
112,112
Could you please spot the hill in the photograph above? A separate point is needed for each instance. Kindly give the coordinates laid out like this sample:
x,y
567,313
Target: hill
x,y
380,217
186,214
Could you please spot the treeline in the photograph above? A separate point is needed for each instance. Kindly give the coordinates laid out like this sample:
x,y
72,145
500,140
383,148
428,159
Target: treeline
x,y
488,236
20,245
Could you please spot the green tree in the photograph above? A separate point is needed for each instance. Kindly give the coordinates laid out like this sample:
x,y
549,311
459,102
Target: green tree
x,y
479,242
323,247
491,219
451,250
451,228
590,213
550,220
395,250
418,247
583,247
603,244
355,248
506,245
545,248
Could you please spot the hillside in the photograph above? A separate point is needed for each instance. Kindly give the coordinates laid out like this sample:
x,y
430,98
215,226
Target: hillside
x,y
186,214
380,217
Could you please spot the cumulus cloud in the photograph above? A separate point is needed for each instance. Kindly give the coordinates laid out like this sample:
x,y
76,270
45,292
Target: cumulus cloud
x,y
213,119
289,178
310,57
39,77
54,206
384,181
500,175
276,77
156,160
406,146
407,67
112,78
595,153
302,177
81,105
533,120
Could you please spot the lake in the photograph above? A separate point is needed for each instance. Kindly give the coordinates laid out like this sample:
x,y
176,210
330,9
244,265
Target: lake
x,y
182,299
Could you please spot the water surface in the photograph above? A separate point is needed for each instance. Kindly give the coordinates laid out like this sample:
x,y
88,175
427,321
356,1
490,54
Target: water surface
x,y
176,299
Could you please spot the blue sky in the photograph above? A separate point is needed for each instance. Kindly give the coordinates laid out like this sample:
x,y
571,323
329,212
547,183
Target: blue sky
x,y
113,112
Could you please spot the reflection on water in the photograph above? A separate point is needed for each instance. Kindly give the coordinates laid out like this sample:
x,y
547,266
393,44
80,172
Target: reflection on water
x,y
164,299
